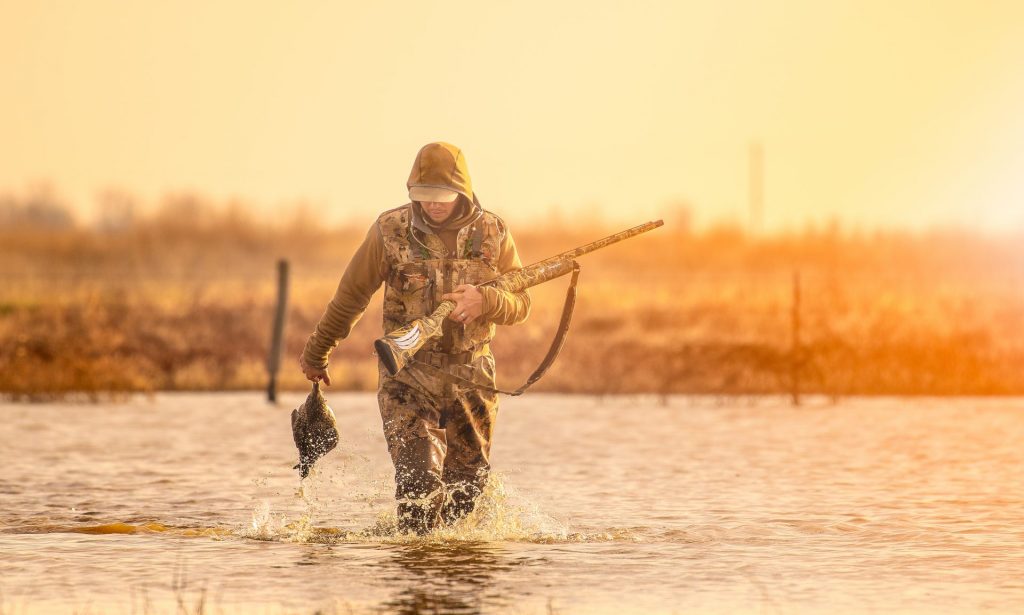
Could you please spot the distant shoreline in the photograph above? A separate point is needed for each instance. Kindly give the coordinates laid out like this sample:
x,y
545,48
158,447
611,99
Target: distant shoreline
x,y
186,302
810,400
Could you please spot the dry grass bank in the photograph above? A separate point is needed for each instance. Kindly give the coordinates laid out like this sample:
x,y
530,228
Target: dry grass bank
x,y
184,300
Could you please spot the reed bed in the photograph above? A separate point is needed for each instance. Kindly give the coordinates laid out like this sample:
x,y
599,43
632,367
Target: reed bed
x,y
183,300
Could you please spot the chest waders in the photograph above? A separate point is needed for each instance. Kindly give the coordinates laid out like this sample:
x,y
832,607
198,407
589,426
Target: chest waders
x,y
438,433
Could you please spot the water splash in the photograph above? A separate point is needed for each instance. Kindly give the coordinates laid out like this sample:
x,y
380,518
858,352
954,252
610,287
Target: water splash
x,y
265,525
501,514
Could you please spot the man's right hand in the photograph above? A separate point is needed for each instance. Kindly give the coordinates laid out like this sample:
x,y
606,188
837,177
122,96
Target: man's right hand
x,y
314,373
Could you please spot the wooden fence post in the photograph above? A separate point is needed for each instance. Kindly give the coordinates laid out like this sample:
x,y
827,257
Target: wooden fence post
x,y
795,358
277,334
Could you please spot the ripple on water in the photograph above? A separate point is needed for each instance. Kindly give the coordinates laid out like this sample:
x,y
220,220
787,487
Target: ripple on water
x,y
812,510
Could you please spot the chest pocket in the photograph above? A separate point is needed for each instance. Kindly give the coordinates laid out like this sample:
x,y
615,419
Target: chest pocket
x,y
413,284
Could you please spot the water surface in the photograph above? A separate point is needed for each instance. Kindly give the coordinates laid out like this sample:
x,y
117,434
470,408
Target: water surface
x,y
615,505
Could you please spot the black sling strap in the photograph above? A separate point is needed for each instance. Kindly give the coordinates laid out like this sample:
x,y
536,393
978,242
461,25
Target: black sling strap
x,y
556,346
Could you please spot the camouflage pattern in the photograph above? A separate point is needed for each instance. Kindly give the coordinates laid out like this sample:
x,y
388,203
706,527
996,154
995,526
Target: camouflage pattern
x,y
419,274
438,433
561,264
439,438
415,332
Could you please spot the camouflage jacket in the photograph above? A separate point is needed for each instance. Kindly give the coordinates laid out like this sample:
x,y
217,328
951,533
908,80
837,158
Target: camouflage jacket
x,y
416,269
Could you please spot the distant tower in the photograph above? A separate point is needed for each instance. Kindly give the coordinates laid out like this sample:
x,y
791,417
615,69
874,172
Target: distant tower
x,y
755,186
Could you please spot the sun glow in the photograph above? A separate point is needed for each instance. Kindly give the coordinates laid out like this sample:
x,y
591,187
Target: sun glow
x,y
870,113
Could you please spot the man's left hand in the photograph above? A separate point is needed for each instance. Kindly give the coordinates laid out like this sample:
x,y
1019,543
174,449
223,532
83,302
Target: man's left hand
x,y
469,303
314,373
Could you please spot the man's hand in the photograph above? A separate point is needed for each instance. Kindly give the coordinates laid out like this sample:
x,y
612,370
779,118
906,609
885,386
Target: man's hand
x,y
314,373
469,303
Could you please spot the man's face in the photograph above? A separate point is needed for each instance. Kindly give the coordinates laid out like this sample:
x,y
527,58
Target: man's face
x,y
438,212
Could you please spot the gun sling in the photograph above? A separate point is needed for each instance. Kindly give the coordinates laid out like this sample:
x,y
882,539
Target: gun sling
x,y
549,358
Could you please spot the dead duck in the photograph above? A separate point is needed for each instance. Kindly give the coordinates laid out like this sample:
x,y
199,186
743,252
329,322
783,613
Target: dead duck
x,y
314,430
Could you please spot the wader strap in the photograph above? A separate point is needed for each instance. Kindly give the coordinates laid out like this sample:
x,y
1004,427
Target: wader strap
x,y
478,240
556,346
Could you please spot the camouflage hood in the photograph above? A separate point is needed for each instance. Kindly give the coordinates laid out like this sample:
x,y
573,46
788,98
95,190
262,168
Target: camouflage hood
x,y
442,165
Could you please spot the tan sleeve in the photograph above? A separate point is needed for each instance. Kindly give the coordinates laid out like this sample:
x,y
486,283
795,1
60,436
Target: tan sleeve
x,y
363,276
500,306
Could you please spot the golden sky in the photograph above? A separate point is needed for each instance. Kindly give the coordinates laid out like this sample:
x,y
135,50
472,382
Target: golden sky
x,y
877,113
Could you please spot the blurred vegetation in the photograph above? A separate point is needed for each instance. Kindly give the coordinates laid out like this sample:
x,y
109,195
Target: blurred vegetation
x,y
182,297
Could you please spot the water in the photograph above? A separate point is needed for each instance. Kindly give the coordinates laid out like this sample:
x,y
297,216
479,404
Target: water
x,y
188,503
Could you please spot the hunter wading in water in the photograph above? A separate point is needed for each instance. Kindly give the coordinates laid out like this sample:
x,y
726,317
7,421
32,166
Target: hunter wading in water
x,y
439,246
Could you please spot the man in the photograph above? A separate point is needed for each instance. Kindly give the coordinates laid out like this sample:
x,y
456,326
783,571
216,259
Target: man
x,y
439,246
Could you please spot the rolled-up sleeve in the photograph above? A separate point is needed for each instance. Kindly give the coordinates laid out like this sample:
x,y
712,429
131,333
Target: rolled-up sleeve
x,y
363,276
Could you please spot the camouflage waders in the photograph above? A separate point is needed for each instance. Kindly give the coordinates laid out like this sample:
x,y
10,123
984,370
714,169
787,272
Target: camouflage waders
x,y
440,442
438,427
438,432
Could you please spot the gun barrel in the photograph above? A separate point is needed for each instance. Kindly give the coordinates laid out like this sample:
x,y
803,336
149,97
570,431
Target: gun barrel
x,y
601,243
559,264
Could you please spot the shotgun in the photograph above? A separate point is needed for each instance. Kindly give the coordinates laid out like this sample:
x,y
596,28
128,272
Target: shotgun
x,y
397,347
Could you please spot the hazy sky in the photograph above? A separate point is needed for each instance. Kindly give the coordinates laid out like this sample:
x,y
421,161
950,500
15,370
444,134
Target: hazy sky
x,y
889,113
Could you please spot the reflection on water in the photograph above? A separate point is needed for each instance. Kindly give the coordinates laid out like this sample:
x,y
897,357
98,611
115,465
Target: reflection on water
x,y
599,506
442,578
